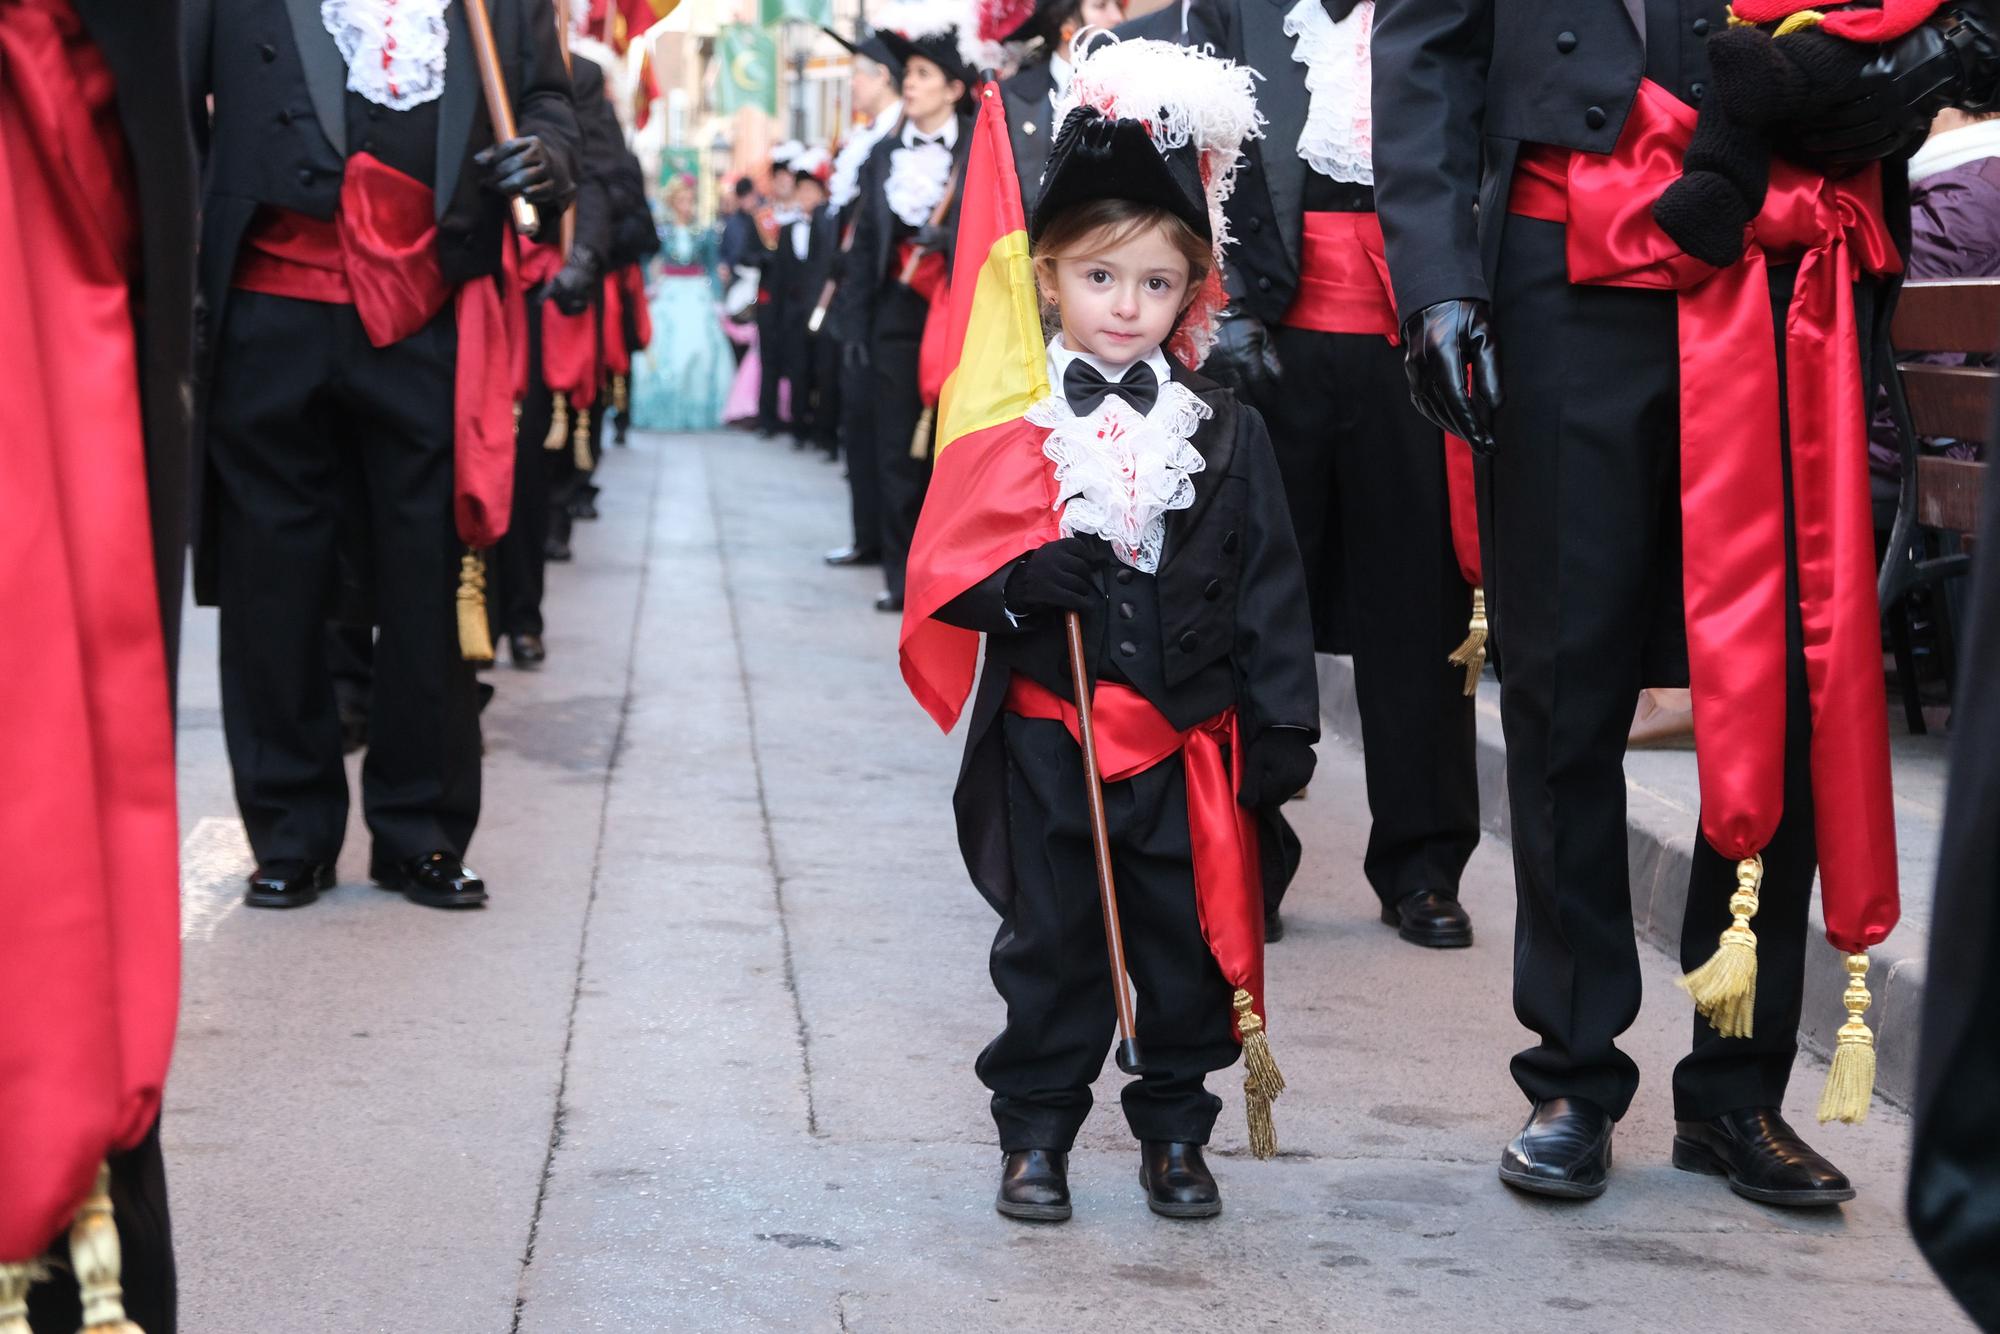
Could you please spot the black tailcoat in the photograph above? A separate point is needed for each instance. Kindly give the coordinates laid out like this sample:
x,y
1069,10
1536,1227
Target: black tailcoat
x,y
870,262
1222,623
1030,125
1268,202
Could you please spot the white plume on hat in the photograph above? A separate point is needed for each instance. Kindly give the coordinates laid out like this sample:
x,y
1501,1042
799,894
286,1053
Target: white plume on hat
x,y
782,154
918,19
811,161
1182,94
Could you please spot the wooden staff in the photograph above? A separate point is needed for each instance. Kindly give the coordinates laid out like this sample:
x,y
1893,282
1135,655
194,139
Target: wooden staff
x,y
1100,842
499,109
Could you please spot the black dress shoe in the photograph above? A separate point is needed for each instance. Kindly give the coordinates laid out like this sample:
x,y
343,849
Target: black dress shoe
x,y
526,650
1178,1183
1563,1151
1274,927
583,507
854,556
886,601
1430,919
436,880
1034,1184
556,549
288,884
1764,1159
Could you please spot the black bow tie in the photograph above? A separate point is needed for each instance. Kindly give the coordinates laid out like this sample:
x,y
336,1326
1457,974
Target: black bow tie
x,y
919,140
1085,387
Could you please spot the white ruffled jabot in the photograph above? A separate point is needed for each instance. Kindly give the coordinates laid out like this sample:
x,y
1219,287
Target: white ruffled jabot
x,y
394,49
916,181
1339,135
1119,472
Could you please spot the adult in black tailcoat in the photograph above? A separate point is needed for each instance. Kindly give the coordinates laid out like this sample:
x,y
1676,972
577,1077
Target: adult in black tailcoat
x,y
293,385
1582,536
1029,93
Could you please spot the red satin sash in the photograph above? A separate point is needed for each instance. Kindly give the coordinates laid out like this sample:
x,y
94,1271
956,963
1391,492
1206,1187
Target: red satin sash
x,y
378,253
90,947
1132,736
1732,480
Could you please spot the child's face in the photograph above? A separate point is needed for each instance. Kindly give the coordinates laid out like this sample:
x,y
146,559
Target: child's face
x,y
1119,302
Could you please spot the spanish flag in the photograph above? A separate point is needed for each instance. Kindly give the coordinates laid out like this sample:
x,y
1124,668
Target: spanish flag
x,y
993,494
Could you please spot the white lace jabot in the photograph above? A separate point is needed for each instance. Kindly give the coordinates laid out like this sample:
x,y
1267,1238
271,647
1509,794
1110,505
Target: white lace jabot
x,y
394,49
1339,135
917,177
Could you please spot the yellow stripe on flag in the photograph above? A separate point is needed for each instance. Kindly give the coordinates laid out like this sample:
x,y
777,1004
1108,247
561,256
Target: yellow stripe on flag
x,y
1002,370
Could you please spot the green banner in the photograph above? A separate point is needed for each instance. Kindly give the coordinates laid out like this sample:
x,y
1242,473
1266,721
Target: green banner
x,y
803,11
680,162
747,76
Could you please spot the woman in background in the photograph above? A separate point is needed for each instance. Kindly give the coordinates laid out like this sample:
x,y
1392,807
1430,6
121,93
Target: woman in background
x,y
681,382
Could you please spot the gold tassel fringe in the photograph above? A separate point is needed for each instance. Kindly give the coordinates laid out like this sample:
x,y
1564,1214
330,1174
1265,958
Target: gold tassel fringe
x,y
1471,655
558,435
97,1260
15,1280
618,392
475,637
1851,1083
1725,988
580,440
920,439
1262,1083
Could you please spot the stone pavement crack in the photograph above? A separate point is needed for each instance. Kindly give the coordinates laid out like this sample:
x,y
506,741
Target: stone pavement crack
x,y
763,796
560,1113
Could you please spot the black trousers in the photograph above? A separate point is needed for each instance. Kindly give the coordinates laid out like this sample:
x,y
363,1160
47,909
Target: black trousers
x,y
1050,965
518,567
857,439
901,479
1364,477
822,373
771,353
297,387
146,1244
1585,557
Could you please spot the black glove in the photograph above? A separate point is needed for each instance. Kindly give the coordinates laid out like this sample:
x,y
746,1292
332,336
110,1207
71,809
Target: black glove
x,y
576,282
527,168
854,355
1953,60
1440,343
1055,577
931,236
1244,358
1277,767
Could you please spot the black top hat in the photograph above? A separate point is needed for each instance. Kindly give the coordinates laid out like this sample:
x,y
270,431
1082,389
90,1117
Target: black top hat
x,y
1098,157
873,47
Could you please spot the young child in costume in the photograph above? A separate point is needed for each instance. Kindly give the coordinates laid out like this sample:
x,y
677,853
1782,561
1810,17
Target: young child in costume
x,y
1179,558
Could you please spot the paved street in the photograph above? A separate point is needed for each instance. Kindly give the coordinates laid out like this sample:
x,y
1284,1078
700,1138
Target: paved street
x,y
705,1063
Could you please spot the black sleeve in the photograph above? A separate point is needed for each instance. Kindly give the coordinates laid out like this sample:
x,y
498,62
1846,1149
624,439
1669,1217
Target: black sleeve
x,y
543,106
603,148
197,32
982,607
1430,61
854,299
1277,680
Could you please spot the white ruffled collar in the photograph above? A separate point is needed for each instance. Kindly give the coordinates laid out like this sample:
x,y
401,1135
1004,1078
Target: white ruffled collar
x,y
394,49
861,141
1118,472
916,182
1338,139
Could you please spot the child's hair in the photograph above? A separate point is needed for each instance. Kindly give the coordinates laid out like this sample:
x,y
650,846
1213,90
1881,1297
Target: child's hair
x,y
1112,222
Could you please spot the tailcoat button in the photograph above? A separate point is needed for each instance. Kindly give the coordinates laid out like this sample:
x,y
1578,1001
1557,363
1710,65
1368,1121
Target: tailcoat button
x,y
305,175
1125,576
267,51
1230,541
1188,641
1594,117
1565,42
1127,611
1213,591
1701,27
1128,648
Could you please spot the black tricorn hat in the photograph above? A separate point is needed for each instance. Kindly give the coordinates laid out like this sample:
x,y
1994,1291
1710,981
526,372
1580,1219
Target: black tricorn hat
x,y
1096,156
941,49
874,48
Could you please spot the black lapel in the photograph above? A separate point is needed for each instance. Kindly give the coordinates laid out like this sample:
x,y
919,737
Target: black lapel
x,y
1282,99
1215,440
326,72
455,107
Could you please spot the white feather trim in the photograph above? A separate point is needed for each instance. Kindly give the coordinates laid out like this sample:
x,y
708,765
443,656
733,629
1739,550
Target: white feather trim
x,y
1119,473
917,19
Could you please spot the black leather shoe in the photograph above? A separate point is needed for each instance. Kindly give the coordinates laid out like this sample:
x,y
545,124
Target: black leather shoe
x,y
1034,1184
288,884
1764,1159
1178,1183
854,556
1430,919
1563,1151
583,507
886,601
556,549
436,880
1274,927
526,650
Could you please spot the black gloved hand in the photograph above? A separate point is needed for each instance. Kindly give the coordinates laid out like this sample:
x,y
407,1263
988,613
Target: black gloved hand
x,y
1276,767
931,236
1953,60
527,168
1440,342
1244,358
1055,577
854,355
577,281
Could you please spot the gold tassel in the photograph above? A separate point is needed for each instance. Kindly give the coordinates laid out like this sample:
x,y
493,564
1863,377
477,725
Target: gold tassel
x,y
920,439
558,435
1471,655
95,1256
618,392
15,1280
1851,1082
580,440
475,638
1262,1083
1725,988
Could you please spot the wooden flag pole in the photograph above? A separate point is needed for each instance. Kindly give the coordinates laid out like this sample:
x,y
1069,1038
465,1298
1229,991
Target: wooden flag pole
x,y
1100,841
499,108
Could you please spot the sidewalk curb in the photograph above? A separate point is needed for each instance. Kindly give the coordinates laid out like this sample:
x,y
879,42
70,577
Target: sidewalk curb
x,y
1661,838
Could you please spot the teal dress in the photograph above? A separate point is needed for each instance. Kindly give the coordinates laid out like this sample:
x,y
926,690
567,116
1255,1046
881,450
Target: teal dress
x,y
681,382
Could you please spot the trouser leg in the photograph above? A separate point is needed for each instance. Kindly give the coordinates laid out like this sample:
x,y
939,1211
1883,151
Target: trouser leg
x,y
518,566
770,366
904,479
857,437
